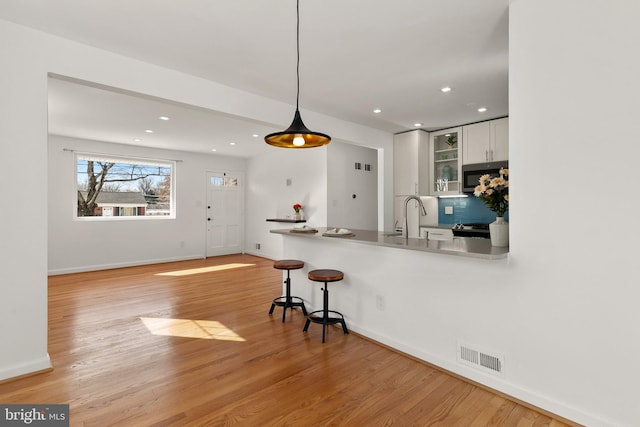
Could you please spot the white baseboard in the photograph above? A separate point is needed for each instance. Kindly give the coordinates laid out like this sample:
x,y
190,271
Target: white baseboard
x,y
260,254
84,268
96,267
26,368
543,402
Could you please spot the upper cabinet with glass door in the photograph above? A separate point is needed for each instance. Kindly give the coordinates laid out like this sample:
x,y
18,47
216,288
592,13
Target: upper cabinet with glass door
x,y
446,155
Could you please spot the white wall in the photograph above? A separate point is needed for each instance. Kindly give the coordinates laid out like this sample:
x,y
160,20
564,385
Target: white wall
x,y
344,181
565,310
268,195
92,245
23,227
27,60
315,180
574,132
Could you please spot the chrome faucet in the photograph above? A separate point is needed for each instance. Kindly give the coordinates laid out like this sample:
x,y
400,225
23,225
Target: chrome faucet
x,y
405,231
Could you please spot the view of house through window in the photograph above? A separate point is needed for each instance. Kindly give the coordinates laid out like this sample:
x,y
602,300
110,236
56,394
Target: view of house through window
x,y
112,187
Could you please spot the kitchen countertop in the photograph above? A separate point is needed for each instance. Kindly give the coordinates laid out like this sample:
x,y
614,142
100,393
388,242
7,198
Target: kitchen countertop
x,y
443,226
459,246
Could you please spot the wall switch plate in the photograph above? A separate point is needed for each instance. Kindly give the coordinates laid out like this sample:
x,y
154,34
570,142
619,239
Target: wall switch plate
x,y
448,210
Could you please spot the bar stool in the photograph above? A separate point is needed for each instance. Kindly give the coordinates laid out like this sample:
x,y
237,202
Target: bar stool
x,y
288,301
325,320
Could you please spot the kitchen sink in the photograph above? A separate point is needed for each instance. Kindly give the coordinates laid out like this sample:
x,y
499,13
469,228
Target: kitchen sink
x,y
393,233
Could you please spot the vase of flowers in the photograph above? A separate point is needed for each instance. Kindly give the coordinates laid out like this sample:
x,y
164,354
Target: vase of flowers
x,y
297,207
494,192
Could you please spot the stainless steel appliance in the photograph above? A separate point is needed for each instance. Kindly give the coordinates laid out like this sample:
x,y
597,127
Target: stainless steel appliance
x,y
471,230
471,173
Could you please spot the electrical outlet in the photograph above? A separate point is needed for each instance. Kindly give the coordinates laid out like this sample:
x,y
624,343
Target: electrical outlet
x,y
258,246
380,302
448,210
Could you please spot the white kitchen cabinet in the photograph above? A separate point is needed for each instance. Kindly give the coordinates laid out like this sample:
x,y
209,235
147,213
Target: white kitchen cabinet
x,y
410,175
445,150
486,142
500,140
407,150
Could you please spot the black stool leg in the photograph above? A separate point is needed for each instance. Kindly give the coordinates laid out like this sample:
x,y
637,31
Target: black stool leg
x,y
287,301
287,296
344,327
322,316
325,309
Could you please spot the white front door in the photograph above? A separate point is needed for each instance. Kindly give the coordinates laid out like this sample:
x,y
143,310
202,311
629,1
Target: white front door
x,y
224,213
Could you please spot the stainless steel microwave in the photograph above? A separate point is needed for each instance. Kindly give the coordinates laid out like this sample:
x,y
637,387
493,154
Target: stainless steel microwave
x,y
471,173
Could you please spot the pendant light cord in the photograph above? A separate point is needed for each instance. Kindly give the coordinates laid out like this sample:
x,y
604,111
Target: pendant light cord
x,y
297,135
298,52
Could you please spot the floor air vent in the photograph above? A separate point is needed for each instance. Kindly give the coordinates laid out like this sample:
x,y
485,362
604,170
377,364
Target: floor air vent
x,y
480,359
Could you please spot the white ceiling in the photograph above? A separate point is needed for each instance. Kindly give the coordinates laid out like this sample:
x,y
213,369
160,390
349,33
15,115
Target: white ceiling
x,y
356,55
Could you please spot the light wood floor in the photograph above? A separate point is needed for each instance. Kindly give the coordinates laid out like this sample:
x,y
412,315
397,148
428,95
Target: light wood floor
x,y
227,362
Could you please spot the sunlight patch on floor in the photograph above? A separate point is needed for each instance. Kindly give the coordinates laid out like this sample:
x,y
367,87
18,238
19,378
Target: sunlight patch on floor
x,y
201,270
186,328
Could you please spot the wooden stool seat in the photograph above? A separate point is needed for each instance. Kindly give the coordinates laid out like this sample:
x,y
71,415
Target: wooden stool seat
x,y
288,264
288,301
323,316
326,275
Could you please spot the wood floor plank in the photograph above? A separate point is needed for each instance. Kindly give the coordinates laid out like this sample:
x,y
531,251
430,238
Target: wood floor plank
x,y
191,344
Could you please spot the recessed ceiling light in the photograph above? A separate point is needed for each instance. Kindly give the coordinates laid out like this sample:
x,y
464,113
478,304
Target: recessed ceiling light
x,y
255,135
446,89
137,140
417,124
232,143
213,149
165,118
148,131
377,111
482,109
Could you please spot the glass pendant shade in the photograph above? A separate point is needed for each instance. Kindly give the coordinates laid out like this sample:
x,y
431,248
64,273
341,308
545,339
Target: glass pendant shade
x,y
297,136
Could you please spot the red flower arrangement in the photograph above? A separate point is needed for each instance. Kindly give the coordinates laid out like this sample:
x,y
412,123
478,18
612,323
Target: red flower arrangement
x,y
297,207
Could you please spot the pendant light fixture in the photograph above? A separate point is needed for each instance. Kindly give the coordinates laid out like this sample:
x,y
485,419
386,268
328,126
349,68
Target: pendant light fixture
x,y
297,135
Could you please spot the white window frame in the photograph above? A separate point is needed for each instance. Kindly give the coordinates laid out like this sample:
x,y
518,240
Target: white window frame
x,y
134,160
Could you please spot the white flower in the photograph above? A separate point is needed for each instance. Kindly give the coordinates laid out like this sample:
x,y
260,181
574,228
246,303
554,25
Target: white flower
x,y
494,192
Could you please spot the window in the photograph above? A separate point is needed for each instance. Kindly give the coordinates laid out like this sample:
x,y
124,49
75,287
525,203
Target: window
x,y
123,188
218,181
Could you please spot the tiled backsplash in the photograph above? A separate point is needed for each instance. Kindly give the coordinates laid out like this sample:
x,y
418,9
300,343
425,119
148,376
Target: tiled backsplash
x,y
465,210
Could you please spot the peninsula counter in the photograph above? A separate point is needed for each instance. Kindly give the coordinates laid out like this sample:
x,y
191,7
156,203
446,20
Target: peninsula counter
x,y
459,246
421,297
